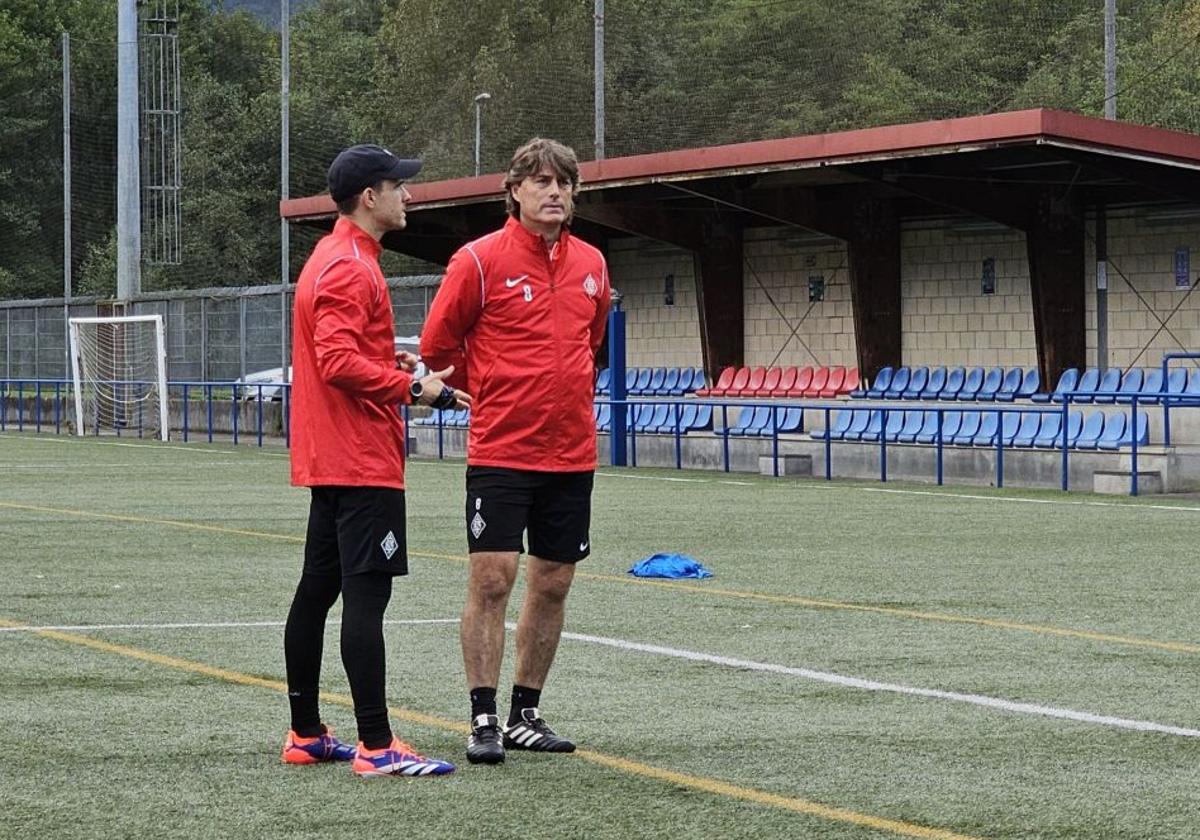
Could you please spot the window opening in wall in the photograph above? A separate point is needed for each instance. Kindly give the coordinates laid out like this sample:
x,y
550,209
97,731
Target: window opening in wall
x,y
989,276
816,289
669,290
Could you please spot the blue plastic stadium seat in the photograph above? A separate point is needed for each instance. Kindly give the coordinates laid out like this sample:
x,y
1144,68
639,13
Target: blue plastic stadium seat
x,y
790,421
874,427
858,424
1093,427
928,433
916,384
1126,438
1114,430
839,425
704,418
969,428
913,421
642,386
899,384
954,382
1010,385
670,383
1030,428
1152,387
883,381
658,420
1176,382
1051,427
1009,426
737,418
989,427
971,384
951,423
990,385
657,377
1109,383
1088,383
895,422
1133,382
1066,382
1029,384
603,380
631,376
604,418
684,384
762,416
697,381
937,381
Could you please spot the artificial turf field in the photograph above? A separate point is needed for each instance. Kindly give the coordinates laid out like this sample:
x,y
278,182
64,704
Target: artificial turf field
x,y
869,660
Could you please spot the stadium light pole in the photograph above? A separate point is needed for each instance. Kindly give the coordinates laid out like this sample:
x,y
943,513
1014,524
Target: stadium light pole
x,y
479,100
129,209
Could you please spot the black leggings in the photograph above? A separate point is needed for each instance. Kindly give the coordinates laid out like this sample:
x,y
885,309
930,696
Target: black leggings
x,y
364,599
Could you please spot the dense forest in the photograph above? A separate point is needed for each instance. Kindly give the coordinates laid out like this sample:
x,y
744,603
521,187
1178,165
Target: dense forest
x,y
678,73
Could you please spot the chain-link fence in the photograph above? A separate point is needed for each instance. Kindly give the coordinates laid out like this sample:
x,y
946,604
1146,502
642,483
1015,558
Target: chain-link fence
x,y
213,335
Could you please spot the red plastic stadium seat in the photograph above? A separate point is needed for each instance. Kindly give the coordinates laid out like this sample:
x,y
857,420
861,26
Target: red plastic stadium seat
x,y
819,381
833,387
753,385
853,381
720,386
804,378
771,382
739,382
787,381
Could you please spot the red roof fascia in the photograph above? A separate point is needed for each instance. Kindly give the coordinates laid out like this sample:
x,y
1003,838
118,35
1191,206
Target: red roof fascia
x,y
817,149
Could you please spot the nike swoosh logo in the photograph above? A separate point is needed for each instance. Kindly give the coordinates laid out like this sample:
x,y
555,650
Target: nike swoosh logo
x,y
583,546
512,281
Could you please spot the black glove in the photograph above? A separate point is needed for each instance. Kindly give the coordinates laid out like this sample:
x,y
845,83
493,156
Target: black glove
x,y
446,399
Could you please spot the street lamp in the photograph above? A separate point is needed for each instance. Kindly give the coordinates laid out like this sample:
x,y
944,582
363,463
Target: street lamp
x,y
479,100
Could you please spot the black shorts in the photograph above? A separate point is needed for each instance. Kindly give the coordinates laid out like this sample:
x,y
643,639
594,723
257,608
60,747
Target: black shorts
x,y
352,530
556,507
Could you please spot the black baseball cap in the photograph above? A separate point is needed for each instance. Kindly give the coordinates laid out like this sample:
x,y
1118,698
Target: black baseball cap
x,y
362,166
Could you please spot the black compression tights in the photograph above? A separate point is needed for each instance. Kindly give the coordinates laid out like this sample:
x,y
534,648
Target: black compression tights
x,y
364,599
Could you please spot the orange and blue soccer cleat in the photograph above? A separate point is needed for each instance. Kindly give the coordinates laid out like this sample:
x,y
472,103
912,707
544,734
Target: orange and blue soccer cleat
x,y
397,759
321,748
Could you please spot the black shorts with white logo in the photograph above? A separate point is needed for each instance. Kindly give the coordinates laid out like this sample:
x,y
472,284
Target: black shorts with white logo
x,y
352,530
555,507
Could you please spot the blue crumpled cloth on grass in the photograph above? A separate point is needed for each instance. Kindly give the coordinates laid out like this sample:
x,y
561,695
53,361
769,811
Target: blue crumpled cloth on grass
x,y
669,566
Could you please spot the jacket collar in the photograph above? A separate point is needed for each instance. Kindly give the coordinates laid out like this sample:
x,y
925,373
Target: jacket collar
x,y
533,241
345,228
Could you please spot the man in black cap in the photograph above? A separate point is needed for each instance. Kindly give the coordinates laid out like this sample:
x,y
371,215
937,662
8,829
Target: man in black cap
x,y
347,445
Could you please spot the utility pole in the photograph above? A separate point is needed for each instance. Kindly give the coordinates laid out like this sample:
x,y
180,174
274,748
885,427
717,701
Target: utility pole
x,y
66,138
479,100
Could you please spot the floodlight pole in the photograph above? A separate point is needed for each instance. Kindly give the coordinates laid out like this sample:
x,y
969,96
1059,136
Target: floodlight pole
x,y
285,94
66,138
479,100
129,207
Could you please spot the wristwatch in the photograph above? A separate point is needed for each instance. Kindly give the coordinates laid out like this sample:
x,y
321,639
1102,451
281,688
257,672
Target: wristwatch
x,y
415,390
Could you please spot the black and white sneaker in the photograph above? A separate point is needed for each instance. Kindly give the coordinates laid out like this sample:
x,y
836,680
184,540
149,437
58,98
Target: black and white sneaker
x,y
532,733
484,745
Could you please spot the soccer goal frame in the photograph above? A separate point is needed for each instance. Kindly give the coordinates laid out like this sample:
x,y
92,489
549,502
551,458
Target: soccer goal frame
x,y
160,364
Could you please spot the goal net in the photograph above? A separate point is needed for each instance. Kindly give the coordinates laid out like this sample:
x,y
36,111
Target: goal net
x,y
119,366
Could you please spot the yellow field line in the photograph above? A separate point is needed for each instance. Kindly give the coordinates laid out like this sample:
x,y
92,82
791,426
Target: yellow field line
x,y
699,589
636,768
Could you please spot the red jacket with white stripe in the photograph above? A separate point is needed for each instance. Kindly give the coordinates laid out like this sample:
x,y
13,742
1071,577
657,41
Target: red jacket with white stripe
x,y
523,322
345,429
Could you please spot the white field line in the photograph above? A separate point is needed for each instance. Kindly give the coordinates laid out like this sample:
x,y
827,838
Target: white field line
x,y
199,625
724,661
1028,501
181,447
672,478
893,688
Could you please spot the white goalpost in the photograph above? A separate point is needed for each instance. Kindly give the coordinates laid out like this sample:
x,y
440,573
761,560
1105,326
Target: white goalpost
x,y
119,368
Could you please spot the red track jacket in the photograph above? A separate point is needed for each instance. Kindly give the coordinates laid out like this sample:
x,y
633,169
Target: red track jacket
x,y
527,321
345,428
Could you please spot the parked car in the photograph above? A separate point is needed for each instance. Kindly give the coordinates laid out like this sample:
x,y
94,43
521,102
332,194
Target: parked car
x,y
268,382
